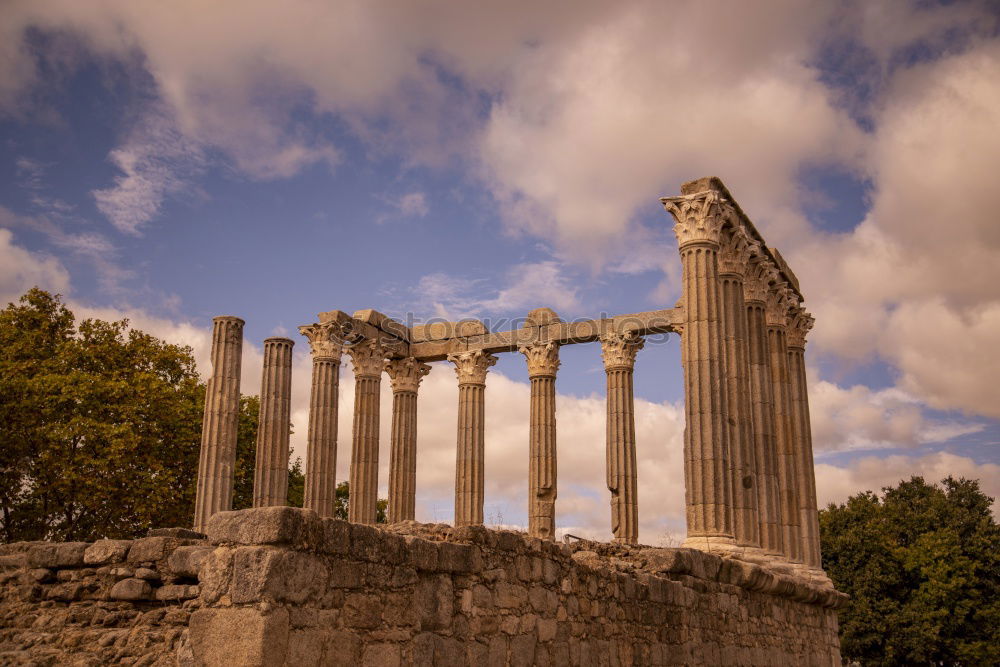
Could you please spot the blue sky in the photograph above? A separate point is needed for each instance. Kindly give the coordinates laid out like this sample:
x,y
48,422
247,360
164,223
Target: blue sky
x,y
173,162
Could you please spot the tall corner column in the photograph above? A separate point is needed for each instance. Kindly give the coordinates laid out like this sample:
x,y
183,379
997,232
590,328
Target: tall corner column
x,y
543,362
779,303
471,369
801,323
765,452
217,460
270,480
708,489
618,351
321,447
405,376
733,263
367,357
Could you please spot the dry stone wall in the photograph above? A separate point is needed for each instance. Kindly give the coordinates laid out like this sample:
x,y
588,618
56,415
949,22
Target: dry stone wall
x,y
280,586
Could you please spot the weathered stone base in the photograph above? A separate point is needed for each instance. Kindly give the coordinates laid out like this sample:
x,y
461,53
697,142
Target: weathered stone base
x,y
282,586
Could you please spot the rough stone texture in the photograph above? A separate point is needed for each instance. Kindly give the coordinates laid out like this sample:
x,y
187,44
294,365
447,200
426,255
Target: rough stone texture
x,y
91,606
433,594
217,460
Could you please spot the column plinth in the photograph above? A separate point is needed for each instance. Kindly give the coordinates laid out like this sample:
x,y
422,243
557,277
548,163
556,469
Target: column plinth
x,y
543,362
368,357
619,352
321,447
270,483
217,459
405,376
471,369
708,488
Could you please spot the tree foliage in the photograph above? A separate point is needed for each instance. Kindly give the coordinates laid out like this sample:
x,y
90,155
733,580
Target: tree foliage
x,y
342,502
922,566
100,428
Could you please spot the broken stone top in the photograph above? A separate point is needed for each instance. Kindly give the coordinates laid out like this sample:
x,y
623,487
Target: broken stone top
x,y
540,317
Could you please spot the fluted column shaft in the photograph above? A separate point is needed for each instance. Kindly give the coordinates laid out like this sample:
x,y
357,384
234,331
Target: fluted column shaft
x,y
706,436
405,376
808,511
217,460
368,358
321,448
764,444
543,362
270,482
788,492
470,473
619,352
743,469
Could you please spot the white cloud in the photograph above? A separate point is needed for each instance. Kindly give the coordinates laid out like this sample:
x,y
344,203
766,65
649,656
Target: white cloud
x,y
835,484
21,269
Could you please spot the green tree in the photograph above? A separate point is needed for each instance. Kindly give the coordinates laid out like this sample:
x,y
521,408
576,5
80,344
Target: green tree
x,y
342,502
922,566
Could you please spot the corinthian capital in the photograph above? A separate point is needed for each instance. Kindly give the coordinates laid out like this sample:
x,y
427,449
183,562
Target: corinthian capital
x,y
756,282
619,349
780,300
471,367
735,251
699,216
324,340
543,358
801,323
405,374
368,357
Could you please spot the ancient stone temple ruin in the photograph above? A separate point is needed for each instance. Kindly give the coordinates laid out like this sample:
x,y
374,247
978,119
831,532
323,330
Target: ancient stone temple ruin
x,y
276,585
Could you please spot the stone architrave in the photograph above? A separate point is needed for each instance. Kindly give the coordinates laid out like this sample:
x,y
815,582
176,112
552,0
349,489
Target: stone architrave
x,y
471,369
780,300
618,351
801,323
734,258
368,358
405,376
755,288
217,460
270,482
321,448
543,362
708,489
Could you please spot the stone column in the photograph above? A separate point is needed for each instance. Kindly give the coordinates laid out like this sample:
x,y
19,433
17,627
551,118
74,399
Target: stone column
x,y
734,259
368,357
779,302
217,460
543,362
270,479
619,352
405,376
471,368
708,487
765,451
321,447
801,323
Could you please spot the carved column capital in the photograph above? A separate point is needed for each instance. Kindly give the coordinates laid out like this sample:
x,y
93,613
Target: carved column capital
x,y
735,251
699,217
471,367
619,349
368,357
324,340
756,281
543,359
798,329
780,300
405,374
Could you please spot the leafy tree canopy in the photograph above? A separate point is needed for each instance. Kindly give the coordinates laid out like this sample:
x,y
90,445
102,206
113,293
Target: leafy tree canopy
x,y
921,563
